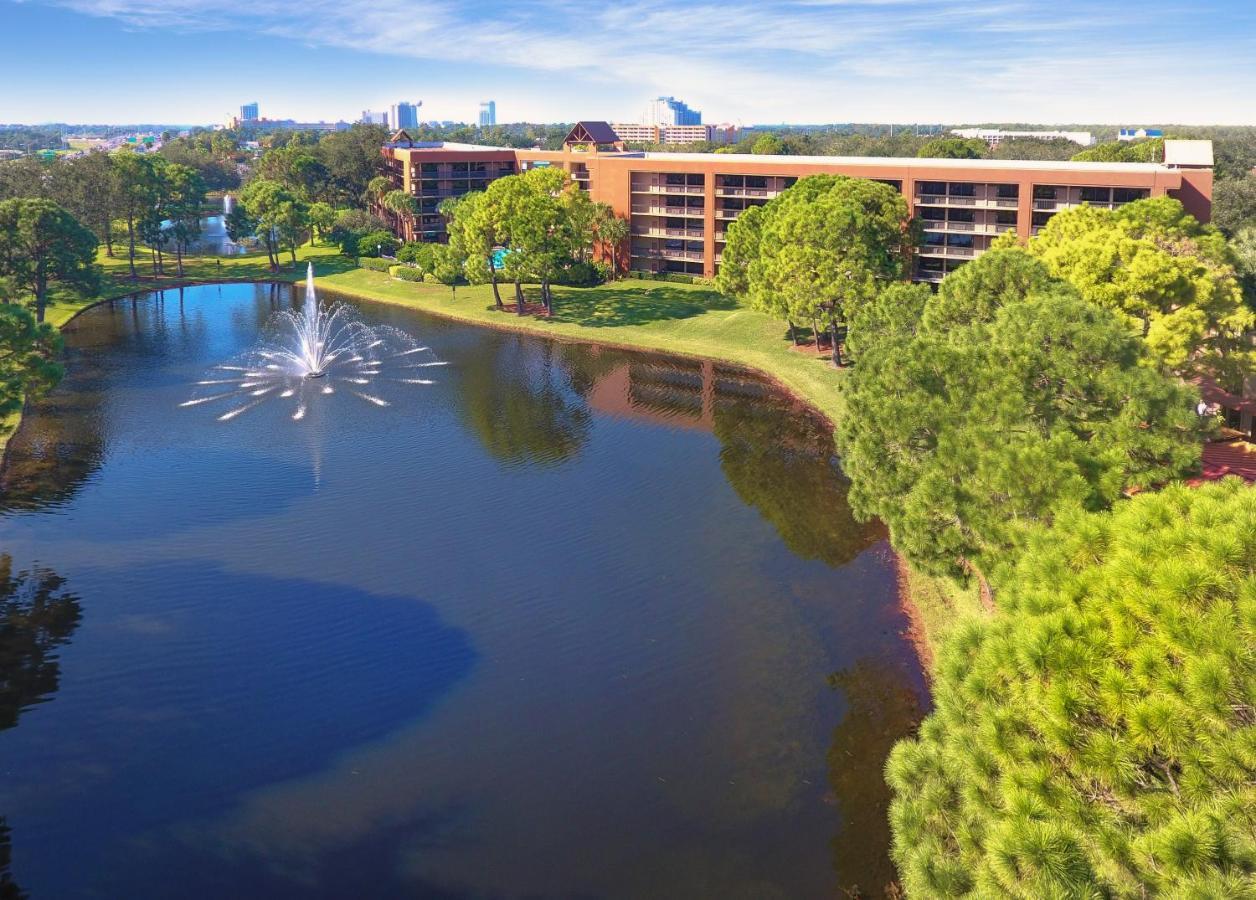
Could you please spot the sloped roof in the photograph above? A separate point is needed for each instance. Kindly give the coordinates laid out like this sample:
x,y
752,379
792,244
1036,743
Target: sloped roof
x,y
591,133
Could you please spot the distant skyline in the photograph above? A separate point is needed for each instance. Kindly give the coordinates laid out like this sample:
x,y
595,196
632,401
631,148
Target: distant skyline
x,y
744,61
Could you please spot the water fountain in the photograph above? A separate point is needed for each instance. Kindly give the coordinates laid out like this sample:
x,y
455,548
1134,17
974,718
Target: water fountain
x,y
317,350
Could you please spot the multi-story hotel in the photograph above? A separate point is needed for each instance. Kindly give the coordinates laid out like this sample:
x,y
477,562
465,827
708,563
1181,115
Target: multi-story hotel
x,y
679,205
630,133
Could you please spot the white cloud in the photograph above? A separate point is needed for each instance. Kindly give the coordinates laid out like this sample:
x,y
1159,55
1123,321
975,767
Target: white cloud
x,y
798,60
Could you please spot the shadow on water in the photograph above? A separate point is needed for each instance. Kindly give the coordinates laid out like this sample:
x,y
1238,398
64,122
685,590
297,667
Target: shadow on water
x,y
37,616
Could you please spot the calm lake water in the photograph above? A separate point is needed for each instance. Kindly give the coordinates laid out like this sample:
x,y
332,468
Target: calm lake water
x,y
570,622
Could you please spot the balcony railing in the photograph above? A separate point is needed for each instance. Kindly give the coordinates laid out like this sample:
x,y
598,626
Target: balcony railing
x,y
926,275
744,192
942,250
654,231
668,189
654,253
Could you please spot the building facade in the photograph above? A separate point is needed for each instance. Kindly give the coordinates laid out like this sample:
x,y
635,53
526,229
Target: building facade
x,y
371,117
404,115
680,205
993,136
631,133
248,112
670,111
488,113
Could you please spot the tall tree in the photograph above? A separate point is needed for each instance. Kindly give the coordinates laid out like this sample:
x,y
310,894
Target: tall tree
x,y
825,247
1094,739
41,243
954,148
976,412
1172,277
276,213
137,196
611,232
322,218
184,197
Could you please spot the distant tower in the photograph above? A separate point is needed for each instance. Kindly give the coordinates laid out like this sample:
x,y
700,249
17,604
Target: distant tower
x,y
248,112
670,111
370,117
488,113
404,115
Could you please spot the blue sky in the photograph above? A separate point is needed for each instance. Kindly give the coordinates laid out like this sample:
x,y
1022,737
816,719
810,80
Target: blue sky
x,y
743,61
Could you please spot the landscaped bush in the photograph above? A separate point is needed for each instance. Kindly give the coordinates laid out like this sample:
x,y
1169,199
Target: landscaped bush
x,y
377,243
375,265
580,274
420,254
1096,737
405,273
674,277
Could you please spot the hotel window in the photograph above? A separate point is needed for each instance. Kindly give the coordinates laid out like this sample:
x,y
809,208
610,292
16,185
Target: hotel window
x,y
676,223
460,168
959,240
1041,218
694,202
428,168
931,265
963,189
933,214
696,180
1096,195
733,181
931,187
430,187
1044,192
1005,217
962,215
1008,191
1129,195
789,182
675,179
934,239
756,181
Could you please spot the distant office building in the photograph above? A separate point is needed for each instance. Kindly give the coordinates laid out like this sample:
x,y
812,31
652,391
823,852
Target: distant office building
x,y
1137,134
248,112
370,117
631,133
993,136
488,113
670,111
404,115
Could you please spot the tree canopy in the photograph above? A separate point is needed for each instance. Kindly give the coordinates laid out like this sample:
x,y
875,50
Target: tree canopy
x,y
28,358
954,148
1096,737
987,407
824,247
42,244
1172,277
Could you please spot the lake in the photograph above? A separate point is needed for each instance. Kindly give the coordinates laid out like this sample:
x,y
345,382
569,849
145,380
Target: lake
x,y
567,622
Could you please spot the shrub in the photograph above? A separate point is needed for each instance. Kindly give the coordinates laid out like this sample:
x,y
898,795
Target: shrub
x,y
674,277
1097,736
418,253
579,274
405,273
375,265
377,243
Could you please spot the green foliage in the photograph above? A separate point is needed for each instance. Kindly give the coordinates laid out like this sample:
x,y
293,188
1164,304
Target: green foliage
x,y
1234,203
768,145
377,265
978,411
825,247
420,254
1173,278
954,148
28,354
1150,150
377,243
401,273
1097,737
42,244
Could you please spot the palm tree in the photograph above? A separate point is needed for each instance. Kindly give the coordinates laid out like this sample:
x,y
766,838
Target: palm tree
x,y
400,204
612,230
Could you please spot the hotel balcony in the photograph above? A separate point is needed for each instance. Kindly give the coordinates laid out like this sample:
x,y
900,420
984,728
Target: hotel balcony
x,y
657,231
967,227
690,211
927,275
967,202
935,250
668,189
744,192
664,253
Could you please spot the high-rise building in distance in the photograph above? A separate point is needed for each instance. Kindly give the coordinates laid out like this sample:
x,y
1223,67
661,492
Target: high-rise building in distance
x,y
371,117
670,111
488,113
404,115
248,112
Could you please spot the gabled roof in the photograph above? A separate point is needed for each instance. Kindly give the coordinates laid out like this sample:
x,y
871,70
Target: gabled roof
x,y
591,133
400,136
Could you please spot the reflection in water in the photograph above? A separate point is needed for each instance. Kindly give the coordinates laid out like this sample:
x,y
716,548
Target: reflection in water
x,y
518,402
644,714
36,617
882,707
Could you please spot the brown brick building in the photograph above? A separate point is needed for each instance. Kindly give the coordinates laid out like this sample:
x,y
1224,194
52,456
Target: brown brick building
x,y
680,205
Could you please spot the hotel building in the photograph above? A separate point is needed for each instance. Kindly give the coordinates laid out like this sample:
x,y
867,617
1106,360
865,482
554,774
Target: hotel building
x,y
630,133
679,205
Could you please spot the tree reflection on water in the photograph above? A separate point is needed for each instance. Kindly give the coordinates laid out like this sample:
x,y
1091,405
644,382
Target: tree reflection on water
x,y
36,617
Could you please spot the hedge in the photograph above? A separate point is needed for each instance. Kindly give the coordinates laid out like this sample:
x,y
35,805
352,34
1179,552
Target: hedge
x,y
375,264
406,273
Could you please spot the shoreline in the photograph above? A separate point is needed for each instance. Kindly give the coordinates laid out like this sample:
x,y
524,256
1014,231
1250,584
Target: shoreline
x,y
924,630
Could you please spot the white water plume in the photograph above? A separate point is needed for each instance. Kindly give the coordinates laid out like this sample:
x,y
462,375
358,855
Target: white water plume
x,y
317,348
